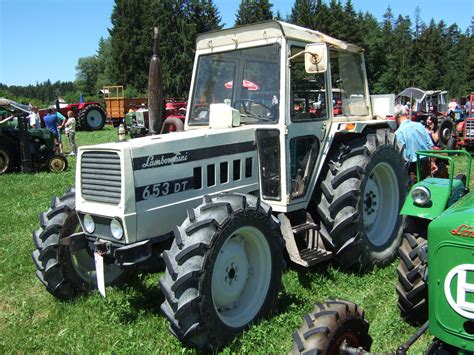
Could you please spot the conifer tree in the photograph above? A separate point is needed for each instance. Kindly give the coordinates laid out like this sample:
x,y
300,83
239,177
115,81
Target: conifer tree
x,y
251,11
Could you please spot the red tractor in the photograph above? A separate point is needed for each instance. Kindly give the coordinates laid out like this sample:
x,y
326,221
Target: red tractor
x,y
466,127
90,115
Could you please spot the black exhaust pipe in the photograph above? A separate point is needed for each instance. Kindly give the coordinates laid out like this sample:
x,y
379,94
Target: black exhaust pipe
x,y
155,87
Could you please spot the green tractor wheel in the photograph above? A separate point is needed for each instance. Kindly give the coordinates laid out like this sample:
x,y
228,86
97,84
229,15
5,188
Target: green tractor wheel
x,y
329,326
412,289
57,163
5,160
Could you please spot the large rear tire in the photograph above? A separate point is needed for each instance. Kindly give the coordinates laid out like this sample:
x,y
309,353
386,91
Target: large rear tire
x,y
360,198
64,272
329,325
223,271
412,289
92,118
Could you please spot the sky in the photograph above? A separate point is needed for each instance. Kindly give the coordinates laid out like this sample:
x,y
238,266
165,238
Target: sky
x,y
43,39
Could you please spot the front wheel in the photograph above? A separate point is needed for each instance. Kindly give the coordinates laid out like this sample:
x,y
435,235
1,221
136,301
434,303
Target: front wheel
x,y
223,271
64,272
412,289
331,325
57,163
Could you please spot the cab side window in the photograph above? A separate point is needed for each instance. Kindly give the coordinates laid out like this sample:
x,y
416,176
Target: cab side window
x,y
308,91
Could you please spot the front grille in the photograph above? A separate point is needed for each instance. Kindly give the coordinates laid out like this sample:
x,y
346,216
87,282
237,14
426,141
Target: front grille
x,y
469,129
100,177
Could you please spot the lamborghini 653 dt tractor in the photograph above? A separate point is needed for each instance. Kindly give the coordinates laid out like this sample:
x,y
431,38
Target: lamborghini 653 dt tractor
x,y
249,177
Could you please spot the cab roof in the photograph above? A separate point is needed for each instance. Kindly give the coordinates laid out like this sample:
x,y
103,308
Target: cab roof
x,y
268,30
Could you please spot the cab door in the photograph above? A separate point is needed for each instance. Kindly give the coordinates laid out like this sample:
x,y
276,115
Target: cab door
x,y
308,121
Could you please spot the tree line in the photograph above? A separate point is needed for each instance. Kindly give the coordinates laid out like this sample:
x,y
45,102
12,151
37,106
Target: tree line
x,y
399,52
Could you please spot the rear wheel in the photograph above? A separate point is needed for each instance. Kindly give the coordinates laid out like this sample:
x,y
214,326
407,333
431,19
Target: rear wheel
x,y
329,326
66,272
446,134
92,118
412,289
223,271
360,199
6,162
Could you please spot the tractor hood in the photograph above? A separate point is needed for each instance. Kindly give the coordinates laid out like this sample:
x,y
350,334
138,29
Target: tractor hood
x,y
138,180
458,220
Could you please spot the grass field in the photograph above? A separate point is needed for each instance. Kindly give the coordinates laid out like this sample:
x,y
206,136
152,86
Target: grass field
x,y
128,320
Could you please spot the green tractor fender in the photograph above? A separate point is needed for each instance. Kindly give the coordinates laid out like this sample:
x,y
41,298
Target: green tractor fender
x,y
430,197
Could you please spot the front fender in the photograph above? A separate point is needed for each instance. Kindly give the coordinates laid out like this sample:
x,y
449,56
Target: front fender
x,y
439,189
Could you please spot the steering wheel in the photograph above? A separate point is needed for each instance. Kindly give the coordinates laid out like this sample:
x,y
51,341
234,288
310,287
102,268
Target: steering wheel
x,y
246,104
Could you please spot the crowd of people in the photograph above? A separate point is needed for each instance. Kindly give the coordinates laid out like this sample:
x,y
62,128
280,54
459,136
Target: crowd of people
x,y
415,137
55,122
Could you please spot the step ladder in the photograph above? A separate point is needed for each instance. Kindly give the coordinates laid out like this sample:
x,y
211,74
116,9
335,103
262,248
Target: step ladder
x,y
314,253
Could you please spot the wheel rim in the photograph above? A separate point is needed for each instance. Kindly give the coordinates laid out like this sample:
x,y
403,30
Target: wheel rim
x,y
446,134
57,164
82,261
380,204
94,118
241,276
4,161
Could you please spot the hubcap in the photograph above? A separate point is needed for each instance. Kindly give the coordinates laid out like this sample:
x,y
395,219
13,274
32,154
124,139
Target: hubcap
x,y
94,118
241,276
380,204
231,273
57,164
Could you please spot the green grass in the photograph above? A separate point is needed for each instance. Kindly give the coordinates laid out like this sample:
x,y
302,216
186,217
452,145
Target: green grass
x,y
128,320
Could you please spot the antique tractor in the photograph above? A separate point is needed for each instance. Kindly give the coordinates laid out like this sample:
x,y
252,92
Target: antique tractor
x,y
136,122
249,181
435,284
90,115
25,148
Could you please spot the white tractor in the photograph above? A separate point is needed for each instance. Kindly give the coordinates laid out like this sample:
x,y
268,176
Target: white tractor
x,y
256,171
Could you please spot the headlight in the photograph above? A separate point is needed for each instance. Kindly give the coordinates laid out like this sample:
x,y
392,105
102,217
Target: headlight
x,y
421,195
89,224
116,229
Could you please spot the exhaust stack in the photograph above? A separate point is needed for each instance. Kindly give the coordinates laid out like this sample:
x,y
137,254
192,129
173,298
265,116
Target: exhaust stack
x,y
155,87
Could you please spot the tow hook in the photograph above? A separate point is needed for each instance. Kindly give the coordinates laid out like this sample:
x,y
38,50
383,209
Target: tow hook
x,y
104,249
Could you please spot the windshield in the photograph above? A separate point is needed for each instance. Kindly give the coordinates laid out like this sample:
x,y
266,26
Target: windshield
x,y
246,79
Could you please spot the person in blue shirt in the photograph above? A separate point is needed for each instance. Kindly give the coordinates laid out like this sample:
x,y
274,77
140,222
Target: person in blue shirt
x,y
414,137
51,121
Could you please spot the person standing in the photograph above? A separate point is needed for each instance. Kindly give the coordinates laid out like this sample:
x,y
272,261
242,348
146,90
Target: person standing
x,y
414,137
61,121
34,119
51,122
70,130
452,106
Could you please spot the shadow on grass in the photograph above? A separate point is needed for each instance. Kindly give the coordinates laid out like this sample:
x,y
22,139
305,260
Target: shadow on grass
x,y
148,299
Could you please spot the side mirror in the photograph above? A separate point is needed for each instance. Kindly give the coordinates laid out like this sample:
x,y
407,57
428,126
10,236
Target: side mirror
x,y
316,58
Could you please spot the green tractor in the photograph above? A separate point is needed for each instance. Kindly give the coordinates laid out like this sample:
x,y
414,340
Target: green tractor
x,y
438,211
23,148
